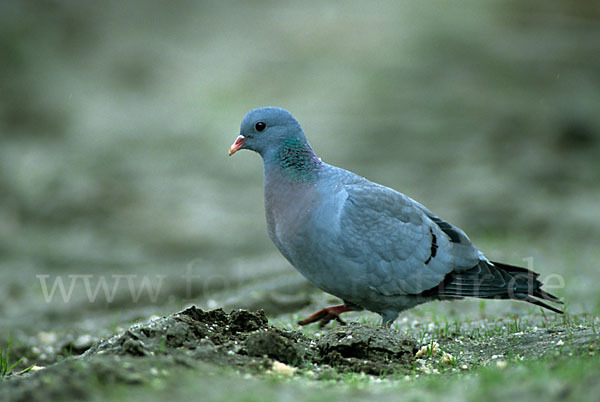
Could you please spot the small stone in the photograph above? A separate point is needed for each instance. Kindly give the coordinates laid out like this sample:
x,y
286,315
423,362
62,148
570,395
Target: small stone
x,y
283,369
47,337
426,370
429,349
447,358
501,364
83,342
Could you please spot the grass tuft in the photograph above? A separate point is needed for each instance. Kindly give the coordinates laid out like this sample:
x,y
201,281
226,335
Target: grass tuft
x,y
5,366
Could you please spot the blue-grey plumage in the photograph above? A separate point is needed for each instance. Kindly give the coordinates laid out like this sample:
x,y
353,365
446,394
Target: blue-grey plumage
x,y
371,246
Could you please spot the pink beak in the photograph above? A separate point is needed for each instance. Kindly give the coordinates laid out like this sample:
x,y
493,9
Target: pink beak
x,y
237,144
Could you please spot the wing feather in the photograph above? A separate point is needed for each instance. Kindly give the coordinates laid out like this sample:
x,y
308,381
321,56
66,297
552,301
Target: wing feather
x,y
394,236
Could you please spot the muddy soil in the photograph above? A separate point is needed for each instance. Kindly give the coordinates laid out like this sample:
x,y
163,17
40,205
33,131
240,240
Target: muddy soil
x,y
245,339
194,339
241,339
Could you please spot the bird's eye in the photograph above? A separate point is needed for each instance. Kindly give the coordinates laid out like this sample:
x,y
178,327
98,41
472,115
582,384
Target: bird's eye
x,y
260,126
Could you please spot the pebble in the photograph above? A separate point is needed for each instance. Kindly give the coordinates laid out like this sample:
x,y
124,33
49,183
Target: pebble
x,y
83,341
283,369
447,358
47,337
428,349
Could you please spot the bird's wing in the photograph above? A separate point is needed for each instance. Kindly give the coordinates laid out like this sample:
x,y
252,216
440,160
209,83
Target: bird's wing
x,y
404,248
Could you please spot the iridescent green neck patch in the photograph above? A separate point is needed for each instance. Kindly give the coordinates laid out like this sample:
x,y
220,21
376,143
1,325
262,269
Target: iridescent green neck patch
x,y
298,160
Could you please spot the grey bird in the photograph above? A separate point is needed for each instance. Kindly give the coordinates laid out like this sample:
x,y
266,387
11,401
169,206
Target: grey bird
x,y
369,245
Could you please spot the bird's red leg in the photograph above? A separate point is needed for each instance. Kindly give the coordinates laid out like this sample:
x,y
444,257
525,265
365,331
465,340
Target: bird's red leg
x,y
327,314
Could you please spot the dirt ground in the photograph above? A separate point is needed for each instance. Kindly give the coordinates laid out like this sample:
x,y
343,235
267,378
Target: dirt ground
x,y
245,342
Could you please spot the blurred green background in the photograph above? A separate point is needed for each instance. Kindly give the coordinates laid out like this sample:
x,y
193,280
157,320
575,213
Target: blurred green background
x,y
116,118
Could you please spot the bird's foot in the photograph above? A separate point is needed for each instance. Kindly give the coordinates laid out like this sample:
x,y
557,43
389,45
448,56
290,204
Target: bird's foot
x,y
327,314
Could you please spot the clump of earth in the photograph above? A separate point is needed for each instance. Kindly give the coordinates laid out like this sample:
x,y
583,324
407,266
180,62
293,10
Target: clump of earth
x,y
197,339
203,341
244,339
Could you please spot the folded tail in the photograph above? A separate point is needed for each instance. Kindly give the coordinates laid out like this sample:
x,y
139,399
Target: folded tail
x,y
495,281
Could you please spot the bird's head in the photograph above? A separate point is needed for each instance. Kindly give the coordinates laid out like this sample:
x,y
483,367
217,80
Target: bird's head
x,y
266,129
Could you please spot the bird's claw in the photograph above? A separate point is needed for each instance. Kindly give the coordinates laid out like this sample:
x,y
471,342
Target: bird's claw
x,y
324,316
